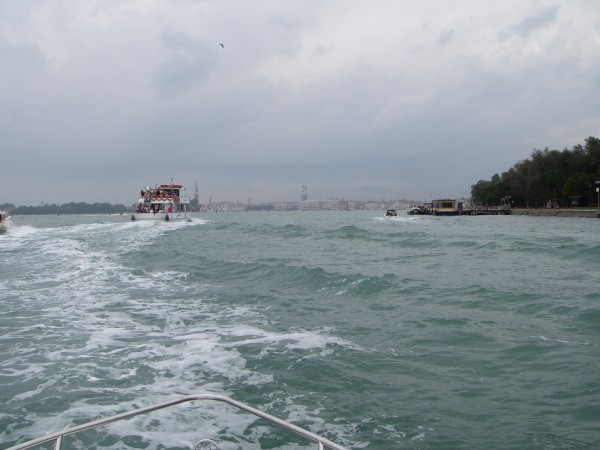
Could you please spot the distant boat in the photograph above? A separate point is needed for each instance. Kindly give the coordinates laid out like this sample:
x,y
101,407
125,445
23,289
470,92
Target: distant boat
x,y
391,213
4,216
423,209
165,202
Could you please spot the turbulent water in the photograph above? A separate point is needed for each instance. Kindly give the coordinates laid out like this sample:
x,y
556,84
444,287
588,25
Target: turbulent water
x,y
378,333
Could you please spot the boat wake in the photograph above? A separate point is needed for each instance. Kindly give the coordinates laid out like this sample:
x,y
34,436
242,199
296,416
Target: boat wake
x,y
398,219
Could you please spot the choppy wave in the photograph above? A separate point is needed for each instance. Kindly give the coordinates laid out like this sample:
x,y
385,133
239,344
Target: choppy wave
x,y
377,332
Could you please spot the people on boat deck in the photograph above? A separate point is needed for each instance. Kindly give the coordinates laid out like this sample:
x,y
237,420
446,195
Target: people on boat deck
x,y
170,209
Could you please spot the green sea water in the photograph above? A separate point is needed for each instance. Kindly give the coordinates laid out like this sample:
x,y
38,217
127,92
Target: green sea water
x,y
378,333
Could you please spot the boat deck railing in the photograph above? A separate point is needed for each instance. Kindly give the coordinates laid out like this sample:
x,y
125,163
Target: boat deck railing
x,y
57,437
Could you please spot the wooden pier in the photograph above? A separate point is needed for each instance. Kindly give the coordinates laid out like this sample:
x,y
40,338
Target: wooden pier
x,y
487,212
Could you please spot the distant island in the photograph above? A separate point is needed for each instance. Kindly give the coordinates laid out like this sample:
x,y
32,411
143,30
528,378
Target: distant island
x,y
65,208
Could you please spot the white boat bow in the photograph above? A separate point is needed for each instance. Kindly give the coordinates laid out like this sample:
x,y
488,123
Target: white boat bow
x,y
57,437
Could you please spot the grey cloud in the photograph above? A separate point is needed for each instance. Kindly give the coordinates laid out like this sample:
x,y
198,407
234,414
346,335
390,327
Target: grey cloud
x,y
444,38
23,65
533,22
22,58
187,61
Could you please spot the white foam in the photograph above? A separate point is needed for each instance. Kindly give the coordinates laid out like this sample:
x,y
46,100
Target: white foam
x,y
398,219
561,341
97,337
419,436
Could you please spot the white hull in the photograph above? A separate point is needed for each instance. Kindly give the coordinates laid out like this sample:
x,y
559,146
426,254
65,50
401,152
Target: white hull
x,y
160,215
3,219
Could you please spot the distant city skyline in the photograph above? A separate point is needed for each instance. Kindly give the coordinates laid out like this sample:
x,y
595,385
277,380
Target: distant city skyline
x,y
301,197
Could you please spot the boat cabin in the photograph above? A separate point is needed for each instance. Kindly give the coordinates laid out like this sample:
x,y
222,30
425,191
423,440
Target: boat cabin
x,y
446,207
168,198
164,192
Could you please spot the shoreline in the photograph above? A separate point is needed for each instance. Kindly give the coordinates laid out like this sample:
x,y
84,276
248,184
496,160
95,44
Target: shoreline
x,y
556,212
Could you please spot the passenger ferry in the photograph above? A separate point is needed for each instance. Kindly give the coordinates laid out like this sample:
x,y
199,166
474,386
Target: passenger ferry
x,y
165,202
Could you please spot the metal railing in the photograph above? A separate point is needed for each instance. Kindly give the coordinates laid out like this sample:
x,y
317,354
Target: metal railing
x,y
322,442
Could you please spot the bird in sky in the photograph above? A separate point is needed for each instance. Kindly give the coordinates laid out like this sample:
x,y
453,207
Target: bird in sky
x,y
222,46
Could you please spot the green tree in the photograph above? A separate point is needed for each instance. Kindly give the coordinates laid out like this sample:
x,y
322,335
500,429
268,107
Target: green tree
x,y
578,185
546,175
490,192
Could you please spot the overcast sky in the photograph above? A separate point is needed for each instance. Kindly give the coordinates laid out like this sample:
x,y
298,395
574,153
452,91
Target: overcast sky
x,y
357,99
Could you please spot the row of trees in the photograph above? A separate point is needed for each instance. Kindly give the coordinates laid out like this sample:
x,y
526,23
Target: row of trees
x,y
69,208
565,178
6,206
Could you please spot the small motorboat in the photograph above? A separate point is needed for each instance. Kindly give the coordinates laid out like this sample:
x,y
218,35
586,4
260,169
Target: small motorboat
x,y
4,216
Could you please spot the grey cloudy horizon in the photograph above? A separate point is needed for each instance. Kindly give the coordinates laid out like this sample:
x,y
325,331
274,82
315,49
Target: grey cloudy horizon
x,y
385,99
